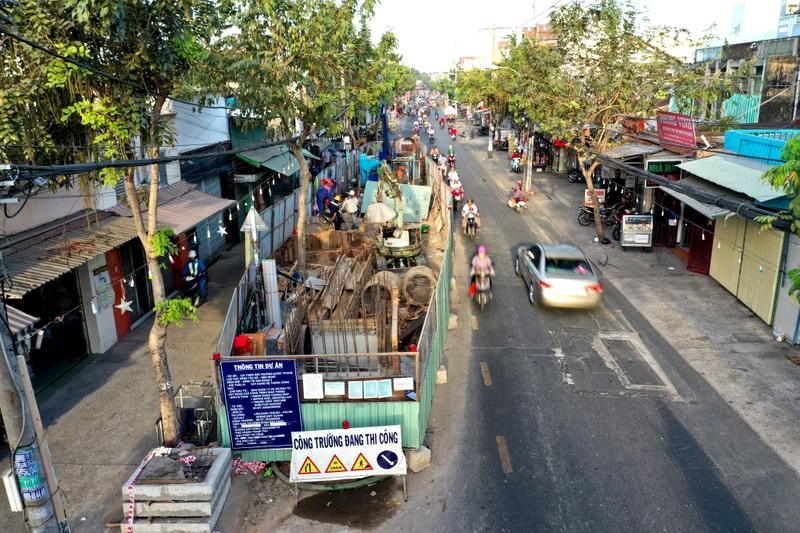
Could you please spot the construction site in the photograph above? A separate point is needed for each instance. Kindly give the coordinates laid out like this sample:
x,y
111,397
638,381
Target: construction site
x,y
366,319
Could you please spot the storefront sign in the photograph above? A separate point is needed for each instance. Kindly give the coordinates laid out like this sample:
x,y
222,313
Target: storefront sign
x,y
347,453
262,402
666,169
587,197
675,128
637,231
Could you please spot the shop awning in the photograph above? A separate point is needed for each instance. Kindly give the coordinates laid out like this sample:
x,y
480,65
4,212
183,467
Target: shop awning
x,y
708,210
32,262
321,144
277,158
735,173
181,206
627,150
19,321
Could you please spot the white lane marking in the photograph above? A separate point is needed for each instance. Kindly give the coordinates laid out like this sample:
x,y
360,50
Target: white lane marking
x,y
487,377
474,323
636,341
505,458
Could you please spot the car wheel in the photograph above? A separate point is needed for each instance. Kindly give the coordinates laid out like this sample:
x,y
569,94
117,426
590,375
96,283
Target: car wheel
x,y
531,294
516,267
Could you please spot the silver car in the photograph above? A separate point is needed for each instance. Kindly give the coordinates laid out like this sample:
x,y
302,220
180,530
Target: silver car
x,y
558,275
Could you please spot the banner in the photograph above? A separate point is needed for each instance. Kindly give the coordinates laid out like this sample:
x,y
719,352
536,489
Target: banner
x,y
676,129
347,453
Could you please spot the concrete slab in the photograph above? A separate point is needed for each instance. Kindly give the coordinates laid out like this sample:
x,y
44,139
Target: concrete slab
x,y
441,375
177,508
197,492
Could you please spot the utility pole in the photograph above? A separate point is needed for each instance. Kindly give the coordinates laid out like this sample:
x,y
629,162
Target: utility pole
x,y
493,31
30,473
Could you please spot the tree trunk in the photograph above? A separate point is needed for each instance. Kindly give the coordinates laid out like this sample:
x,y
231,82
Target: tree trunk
x,y
158,333
305,185
588,174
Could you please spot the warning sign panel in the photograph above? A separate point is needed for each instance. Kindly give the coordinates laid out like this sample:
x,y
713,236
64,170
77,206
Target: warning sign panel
x,y
349,453
361,463
335,466
309,467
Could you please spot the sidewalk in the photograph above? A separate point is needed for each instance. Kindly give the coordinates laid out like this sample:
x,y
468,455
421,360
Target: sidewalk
x,y
101,420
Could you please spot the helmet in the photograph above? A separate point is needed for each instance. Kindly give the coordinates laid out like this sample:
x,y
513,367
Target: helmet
x,y
519,182
481,249
337,197
192,254
352,193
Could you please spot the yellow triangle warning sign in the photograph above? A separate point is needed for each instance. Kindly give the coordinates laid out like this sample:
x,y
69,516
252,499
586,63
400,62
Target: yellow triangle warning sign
x,y
308,467
335,466
361,463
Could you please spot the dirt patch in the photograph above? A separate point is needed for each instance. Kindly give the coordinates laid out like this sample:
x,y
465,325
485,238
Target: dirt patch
x,y
364,509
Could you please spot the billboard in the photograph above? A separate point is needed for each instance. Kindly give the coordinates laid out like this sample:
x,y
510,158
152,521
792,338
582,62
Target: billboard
x,y
677,129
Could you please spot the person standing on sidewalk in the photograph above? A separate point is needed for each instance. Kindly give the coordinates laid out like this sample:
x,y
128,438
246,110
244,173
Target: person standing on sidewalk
x,y
350,208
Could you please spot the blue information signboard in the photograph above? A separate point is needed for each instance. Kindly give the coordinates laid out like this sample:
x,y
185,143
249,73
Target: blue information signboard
x,y
262,401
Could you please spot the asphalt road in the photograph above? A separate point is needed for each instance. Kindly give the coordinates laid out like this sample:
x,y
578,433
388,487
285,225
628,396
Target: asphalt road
x,y
578,420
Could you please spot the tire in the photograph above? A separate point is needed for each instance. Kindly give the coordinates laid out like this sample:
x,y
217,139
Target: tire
x,y
470,231
482,300
531,294
584,219
516,267
518,208
616,233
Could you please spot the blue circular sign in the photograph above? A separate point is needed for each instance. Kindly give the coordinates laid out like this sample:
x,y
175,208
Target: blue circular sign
x,y
387,459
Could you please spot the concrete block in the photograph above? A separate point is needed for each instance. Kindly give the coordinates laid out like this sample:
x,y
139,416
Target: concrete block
x,y
453,323
441,375
176,508
418,460
196,492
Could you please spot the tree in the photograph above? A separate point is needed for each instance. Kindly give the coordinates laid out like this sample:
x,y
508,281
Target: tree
x,y
145,48
291,61
602,70
786,178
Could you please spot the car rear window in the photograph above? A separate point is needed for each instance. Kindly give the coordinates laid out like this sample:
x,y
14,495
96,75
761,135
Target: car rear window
x,y
555,265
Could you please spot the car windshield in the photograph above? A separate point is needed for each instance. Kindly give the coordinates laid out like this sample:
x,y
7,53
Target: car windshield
x,y
555,265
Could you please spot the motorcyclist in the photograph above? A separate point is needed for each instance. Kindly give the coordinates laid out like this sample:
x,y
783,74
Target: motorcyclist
x,y
197,269
480,263
441,122
435,154
470,207
515,160
452,131
457,191
519,193
443,167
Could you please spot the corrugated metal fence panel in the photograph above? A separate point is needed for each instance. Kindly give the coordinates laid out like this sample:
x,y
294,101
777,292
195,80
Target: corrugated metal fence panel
x,y
760,269
728,241
766,145
743,107
787,311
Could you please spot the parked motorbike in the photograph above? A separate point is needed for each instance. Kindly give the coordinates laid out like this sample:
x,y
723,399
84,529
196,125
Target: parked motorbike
x,y
575,175
518,205
472,225
586,215
483,288
483,131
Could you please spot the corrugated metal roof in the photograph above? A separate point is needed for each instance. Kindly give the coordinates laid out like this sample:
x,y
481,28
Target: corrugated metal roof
x,y
32,265
630,150
738,174
278,158
181,207
707,210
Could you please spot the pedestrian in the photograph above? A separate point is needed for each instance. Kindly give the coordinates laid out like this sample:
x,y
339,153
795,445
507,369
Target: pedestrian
x,y
350,208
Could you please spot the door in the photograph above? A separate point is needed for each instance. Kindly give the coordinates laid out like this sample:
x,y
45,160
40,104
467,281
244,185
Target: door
x,y
137,283
701,245
122,321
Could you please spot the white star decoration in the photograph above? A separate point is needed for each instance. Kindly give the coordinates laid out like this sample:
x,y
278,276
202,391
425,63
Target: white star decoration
x,y
124,305
222,231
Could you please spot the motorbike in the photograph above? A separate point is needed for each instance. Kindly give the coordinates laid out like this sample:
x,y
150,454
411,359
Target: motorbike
x,y
472,225
575,175
451,161
616,231
441,125
191,289
515,165
483,131
586,215
430,138
518,205
483,288
457,197
452,136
